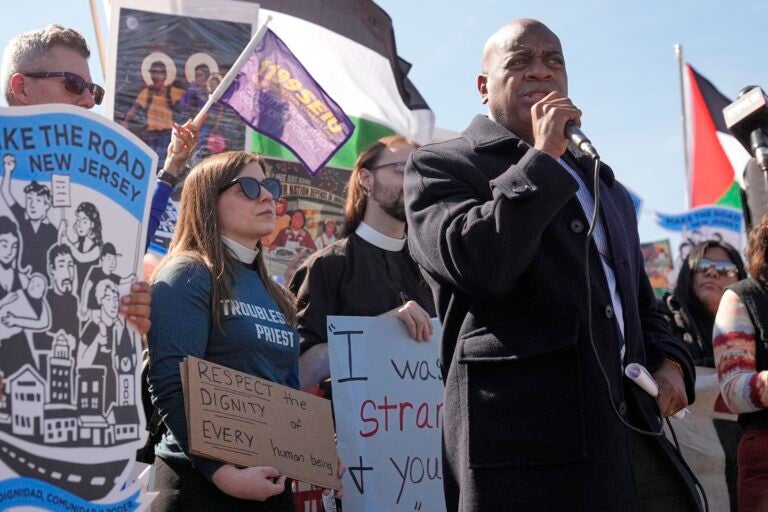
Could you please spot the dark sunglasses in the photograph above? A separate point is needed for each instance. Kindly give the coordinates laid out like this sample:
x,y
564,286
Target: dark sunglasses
x,y
252,187
724,268
73,83
398,166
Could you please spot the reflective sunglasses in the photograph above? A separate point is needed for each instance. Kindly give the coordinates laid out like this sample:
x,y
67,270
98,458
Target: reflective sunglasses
x,y
724,268
252,187
398,166
73,83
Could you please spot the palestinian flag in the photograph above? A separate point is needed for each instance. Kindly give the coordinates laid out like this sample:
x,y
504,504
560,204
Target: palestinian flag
x,y
349,48
716,158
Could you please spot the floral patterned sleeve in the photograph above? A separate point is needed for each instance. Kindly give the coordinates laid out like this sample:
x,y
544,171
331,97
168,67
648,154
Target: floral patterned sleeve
x,y
743,388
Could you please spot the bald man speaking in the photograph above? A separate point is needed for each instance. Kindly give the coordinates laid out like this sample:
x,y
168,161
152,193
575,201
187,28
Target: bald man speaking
x,y
539,321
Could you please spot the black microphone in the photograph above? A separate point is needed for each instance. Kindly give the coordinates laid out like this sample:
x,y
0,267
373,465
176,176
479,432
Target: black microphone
x,y
574,134
747,120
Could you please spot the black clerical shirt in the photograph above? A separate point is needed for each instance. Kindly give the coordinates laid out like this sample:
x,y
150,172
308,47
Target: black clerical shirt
x,y
354,277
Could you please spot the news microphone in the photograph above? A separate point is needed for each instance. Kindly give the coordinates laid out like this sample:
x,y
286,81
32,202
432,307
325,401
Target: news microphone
x,y
747,120
574,134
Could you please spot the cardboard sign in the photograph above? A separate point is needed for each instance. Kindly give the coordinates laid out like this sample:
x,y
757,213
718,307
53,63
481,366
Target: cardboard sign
x,y
388,399
237,418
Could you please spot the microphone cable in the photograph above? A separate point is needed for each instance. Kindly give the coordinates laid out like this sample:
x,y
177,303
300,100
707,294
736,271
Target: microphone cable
x,y
590,233
606,380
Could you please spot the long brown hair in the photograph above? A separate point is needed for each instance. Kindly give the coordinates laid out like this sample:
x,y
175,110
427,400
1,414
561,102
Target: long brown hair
x,y
757,251
198,235
357,197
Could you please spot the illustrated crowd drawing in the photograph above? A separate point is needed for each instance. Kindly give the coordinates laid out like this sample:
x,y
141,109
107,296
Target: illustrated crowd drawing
x,y
67,358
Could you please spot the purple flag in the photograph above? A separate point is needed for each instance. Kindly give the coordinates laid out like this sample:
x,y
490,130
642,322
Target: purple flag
x,y
275,95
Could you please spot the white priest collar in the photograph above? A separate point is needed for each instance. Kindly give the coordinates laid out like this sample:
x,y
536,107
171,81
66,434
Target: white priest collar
x,y
378,239
240,251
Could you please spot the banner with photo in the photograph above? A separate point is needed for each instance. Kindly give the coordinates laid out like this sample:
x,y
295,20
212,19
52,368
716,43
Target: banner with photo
x,y
388,405
169,56
308,218
657,257
74,200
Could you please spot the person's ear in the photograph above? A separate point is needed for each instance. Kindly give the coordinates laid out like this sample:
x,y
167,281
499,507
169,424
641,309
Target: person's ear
x,y
18,85
482,87
366,179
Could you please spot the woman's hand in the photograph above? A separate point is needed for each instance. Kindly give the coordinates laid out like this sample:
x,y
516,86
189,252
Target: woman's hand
x,y
415,318
256,483
184,140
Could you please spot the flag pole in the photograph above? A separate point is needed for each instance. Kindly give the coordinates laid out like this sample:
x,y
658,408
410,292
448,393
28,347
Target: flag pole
x,y
679,58
99,37
232,73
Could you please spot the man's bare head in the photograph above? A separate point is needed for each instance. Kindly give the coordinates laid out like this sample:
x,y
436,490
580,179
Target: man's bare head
x,y
522,62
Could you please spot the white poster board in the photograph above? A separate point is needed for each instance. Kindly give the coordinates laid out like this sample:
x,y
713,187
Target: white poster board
x,y
388,401
74,199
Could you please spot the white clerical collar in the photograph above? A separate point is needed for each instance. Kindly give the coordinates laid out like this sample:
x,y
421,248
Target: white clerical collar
x,y
378,239
240,251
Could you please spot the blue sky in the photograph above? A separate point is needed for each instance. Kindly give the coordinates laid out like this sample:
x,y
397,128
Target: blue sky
x,y
619,55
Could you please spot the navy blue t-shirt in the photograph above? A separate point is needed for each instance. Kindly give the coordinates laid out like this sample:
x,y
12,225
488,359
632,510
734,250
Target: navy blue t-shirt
x,y
252,337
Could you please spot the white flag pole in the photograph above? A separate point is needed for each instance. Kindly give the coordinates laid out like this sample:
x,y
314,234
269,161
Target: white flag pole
x,y
99,38
680,63
232,73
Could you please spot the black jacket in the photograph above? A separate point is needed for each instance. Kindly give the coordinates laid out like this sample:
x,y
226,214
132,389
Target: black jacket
x,y
500,235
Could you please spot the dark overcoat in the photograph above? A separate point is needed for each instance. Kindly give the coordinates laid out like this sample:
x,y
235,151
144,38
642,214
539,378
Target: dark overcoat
x,y
529,421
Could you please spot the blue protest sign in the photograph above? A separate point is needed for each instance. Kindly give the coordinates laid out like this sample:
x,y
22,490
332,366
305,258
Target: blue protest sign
x,y
74,197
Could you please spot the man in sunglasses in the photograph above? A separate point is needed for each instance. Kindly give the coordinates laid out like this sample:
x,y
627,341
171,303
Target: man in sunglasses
x,y
47,66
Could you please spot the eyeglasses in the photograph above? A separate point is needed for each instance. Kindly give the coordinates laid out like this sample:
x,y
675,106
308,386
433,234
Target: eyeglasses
x,y
73,83
398,166
252,187
724,268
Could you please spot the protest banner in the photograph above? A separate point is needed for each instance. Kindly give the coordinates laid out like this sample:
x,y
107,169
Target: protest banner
x,y
388,401
708,438
705,223
248,421
169,57
74,200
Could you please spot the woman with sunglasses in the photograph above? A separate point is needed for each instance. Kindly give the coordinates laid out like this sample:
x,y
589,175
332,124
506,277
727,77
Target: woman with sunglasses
x,y
741,353
706,272
202,293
